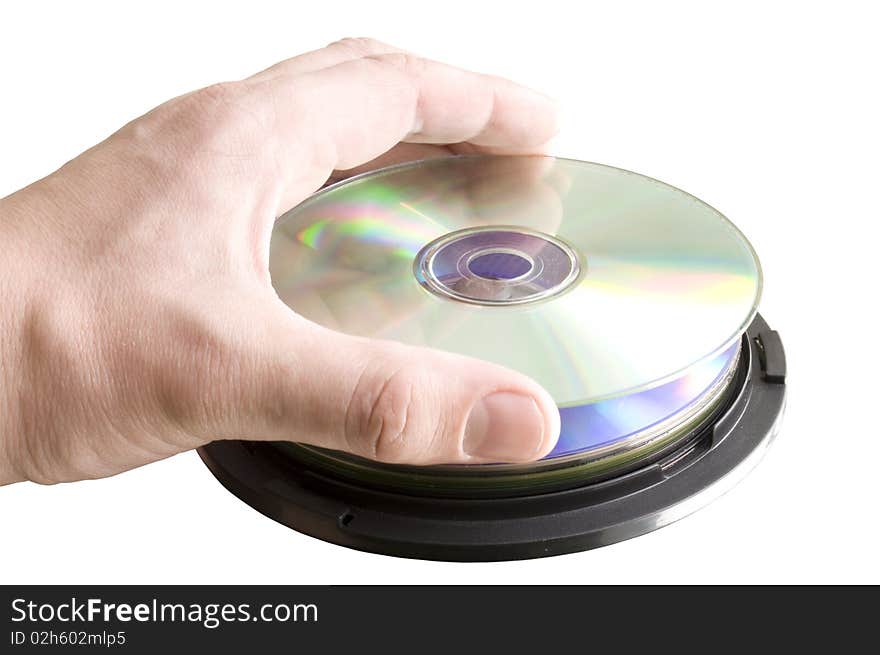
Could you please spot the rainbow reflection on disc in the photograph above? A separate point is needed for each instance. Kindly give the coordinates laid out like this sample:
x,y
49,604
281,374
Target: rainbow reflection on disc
x,y
604,427
630,283
622,296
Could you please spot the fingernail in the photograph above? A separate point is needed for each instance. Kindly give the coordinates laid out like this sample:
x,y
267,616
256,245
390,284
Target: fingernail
x,y
504,427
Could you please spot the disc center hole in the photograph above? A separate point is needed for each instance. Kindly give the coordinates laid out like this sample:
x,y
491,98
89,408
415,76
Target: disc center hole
x,y
500,265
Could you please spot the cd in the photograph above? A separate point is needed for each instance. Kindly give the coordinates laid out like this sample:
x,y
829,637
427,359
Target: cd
x,y
632,302
595,281
624,297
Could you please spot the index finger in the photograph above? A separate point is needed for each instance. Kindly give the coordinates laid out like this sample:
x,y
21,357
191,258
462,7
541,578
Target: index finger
x,y
350,113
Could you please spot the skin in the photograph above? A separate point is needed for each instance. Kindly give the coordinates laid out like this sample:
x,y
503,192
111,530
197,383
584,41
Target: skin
x,y
139,320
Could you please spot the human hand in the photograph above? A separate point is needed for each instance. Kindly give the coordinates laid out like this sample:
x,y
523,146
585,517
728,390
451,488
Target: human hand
x,y
138,316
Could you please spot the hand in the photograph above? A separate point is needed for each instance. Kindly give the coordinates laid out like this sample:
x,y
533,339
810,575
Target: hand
x,y
138,316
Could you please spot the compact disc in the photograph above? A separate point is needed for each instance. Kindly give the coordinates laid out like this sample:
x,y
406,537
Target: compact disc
x,y
632,302
597,282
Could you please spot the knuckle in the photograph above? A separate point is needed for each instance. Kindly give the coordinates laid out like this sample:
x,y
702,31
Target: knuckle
x,y
205,113
217,111
404,62
385,415
219,92
229,123
225,128
360,46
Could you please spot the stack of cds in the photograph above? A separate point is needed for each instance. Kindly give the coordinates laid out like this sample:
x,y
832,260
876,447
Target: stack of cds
x,y
624,297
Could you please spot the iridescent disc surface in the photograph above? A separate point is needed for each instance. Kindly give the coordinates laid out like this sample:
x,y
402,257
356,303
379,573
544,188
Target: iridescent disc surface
x,y
635,419
596,282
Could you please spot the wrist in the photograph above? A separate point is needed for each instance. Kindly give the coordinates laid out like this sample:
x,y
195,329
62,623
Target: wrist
x,y
13,295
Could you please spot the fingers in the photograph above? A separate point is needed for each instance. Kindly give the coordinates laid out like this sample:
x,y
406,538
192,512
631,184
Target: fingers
x,y
340,108
349,113
390,402
285,130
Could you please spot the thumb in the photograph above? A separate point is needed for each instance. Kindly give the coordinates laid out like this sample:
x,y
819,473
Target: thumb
x,y
394,403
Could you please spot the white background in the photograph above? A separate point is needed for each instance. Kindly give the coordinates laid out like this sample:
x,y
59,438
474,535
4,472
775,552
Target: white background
x,y
766,110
